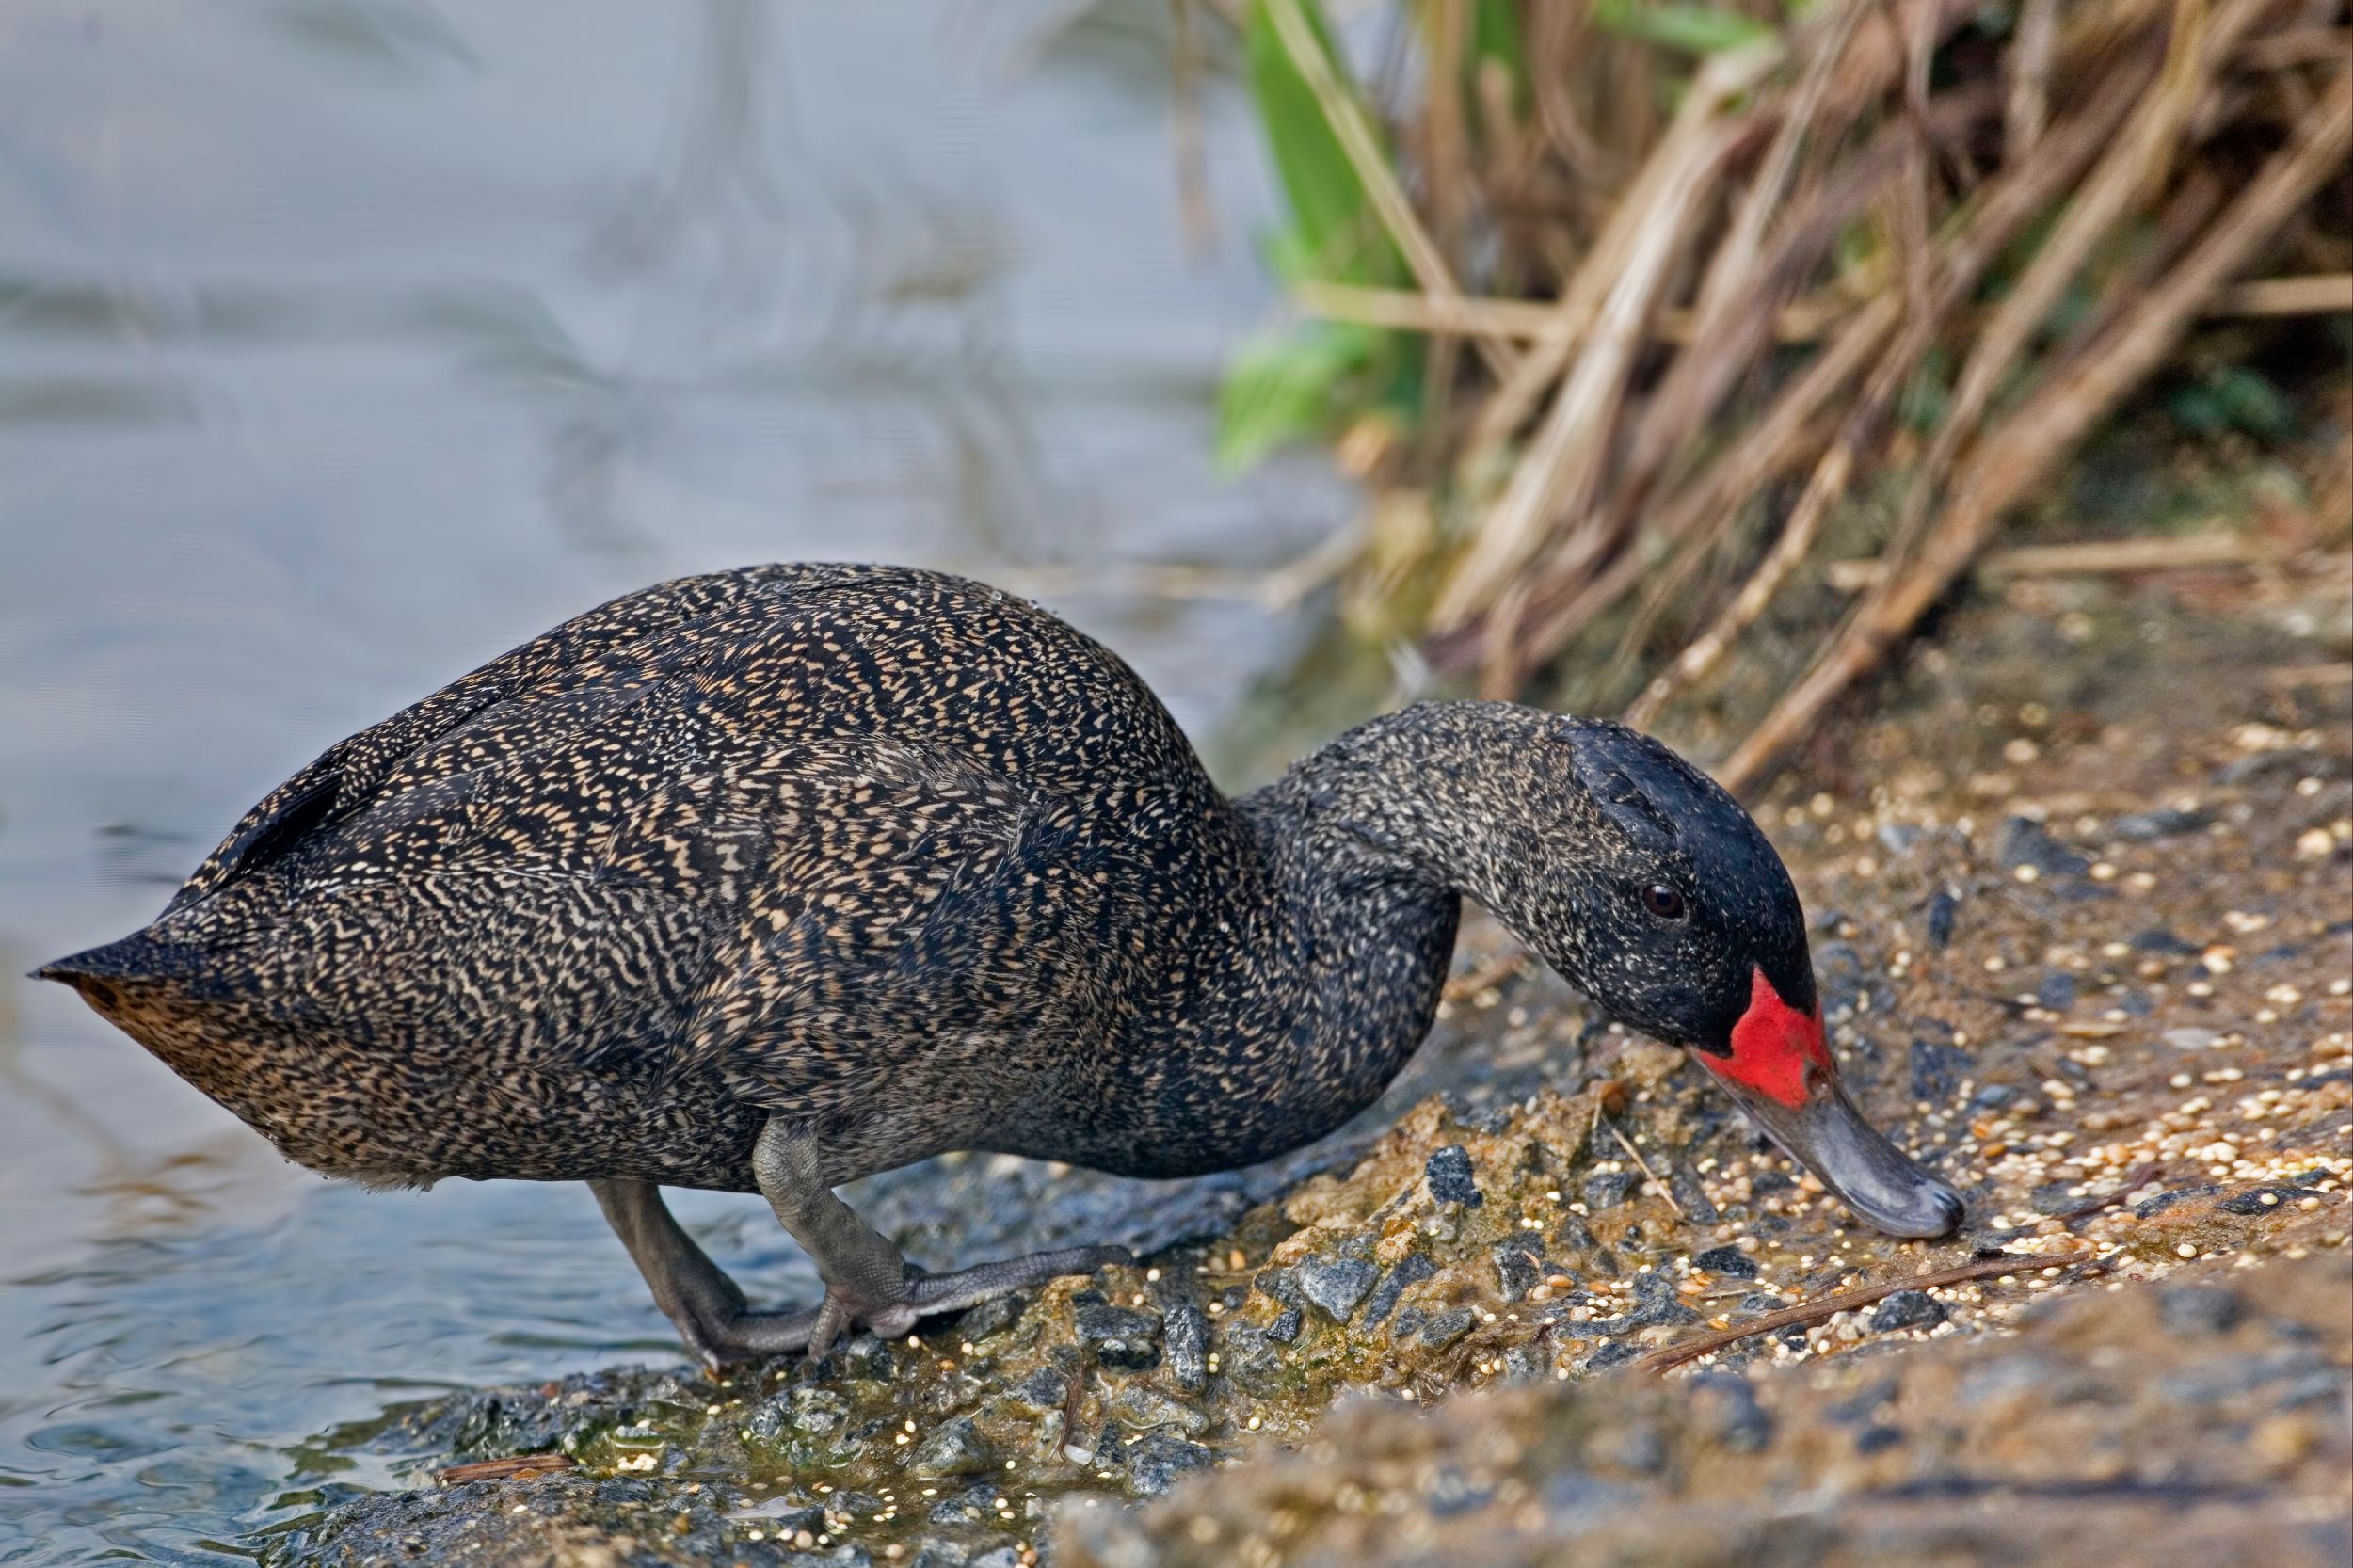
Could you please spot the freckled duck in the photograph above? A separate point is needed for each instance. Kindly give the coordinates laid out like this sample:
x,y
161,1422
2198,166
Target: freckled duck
x,y
774,878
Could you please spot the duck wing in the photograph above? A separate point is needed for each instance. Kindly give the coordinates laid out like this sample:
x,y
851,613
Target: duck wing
x,y
587,662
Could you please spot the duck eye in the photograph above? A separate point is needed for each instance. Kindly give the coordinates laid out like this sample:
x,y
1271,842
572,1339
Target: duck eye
x,y
1663,902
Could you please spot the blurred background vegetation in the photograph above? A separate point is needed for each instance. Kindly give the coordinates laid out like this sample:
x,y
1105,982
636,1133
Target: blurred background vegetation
x,y
1691,354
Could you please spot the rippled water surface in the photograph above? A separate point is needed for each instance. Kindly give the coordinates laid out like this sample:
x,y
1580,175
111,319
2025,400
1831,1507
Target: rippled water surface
x,y
345,343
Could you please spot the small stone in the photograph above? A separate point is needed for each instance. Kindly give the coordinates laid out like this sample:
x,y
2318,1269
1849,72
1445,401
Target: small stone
x,y
1740,1422
2141,827
2198,1309
2026,842
868,1357
993,1316
1336,1285
1140,1407
2191,1039
2163,1201
954,1447
1408,1270
1942,910
1517,1271
1907,1309
1043,1390
1156,1462
1610,1356
974,1505
1286,1328
1447,1327
2259,1200
1877,1439
1610,1188
1185,1337
1450,1177
2159,940
1731,1262
1692,1194
1119,1335
2056,993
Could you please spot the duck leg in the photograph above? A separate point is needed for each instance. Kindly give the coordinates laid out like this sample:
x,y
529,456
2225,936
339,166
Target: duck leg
x,y
694,1292
867,1279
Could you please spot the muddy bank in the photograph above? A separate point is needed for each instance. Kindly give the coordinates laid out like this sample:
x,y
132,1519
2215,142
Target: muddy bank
x,y
2084,926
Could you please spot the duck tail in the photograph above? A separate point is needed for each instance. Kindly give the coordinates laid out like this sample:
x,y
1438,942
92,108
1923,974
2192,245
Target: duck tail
x,y
140,956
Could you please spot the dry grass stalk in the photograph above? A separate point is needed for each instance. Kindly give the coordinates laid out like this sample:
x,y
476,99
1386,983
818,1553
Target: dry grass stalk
x,y
2015,455
1357,138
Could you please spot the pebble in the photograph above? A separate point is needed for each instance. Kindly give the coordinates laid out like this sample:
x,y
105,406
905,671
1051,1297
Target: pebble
x,y
1408,1270
1517,1271
1449,1172
954,1447
1610,1188
1729,1261
1448,1326
1119,1335
1907,1309
2198,1309
1156,1462
1185,1338
1336,1285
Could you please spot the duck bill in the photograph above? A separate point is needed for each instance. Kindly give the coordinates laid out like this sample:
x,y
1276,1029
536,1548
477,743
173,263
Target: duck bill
x,y
1780,1070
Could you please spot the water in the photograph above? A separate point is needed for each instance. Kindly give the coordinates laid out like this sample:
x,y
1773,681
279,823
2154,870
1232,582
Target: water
x,y
345,343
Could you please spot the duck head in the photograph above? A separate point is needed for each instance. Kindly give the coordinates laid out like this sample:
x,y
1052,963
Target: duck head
x,y
1649,888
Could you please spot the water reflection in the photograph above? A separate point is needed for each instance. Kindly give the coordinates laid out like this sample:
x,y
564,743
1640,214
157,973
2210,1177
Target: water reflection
x,y
344,343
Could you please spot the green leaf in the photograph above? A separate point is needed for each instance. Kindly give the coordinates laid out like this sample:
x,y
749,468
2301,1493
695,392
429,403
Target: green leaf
x,y
1283,386
1333,234
1693,29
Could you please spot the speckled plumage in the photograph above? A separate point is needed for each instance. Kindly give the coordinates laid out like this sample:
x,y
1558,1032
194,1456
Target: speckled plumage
x,y
912,864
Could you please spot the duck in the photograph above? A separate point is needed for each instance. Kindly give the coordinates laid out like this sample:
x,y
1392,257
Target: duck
x,y
768,879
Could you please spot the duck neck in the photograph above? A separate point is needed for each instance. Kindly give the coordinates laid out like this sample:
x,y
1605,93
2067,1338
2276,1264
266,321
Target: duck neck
x,y
1330,952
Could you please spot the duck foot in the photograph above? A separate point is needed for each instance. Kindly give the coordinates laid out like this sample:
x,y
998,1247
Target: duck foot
x,y
922,1295
869,1283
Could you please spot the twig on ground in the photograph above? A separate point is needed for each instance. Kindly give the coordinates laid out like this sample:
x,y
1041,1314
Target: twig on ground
x,y
1813,1311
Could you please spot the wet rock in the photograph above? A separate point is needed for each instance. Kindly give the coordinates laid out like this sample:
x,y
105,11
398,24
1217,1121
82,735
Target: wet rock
x,y
2026,842
2142,827
1119,1336
2150,1208
1943,910
1447,1327
1185,1340
1450,1179
2192,1309
974,1505
1877,1439
1156,1462
1728,1261
868,1357
1690,1194
1517,1271
1610,1188
1657,1305
1406,1271
954,1448
992,1317
1907,1309
1336,1285
1044,1389
1730,1406
1140,1407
